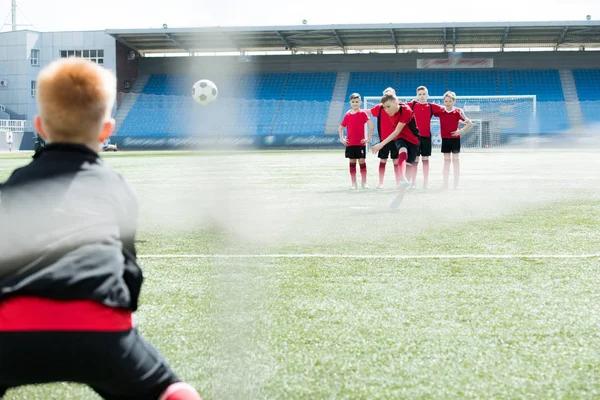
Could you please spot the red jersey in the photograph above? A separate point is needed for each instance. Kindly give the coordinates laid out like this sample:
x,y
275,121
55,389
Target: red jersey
x,y
409,132
385,126
355,127
449,121
423,114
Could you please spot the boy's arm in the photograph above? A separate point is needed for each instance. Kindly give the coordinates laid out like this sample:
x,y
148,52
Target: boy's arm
x,y
437,109
468,125
371,129
388,139
341,133
465,129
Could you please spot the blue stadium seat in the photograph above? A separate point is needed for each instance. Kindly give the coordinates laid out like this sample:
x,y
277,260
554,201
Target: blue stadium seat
x,y
587,82
298,103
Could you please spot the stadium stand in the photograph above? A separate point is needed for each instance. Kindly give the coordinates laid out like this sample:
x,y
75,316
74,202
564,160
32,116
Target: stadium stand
x,y
587,82
298,103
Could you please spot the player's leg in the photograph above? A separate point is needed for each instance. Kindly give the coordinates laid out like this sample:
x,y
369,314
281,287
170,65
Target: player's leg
x,y
402,157
408,152
415,167
425,151
383,156
363,173
138,371
456,162
352,165
117,365
446,150
394,154
412,152
353,172
382,165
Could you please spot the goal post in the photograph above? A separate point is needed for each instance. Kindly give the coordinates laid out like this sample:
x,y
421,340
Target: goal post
x,y
497,120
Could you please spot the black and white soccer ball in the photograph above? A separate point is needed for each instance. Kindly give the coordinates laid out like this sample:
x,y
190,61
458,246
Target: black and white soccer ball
x,y
204,92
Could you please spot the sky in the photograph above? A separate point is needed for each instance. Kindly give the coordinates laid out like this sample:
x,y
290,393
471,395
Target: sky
x,y
67,15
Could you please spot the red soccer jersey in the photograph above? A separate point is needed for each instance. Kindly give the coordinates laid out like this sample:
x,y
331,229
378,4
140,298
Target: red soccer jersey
x,y
355,127
423,114
385,125
449,121
405,115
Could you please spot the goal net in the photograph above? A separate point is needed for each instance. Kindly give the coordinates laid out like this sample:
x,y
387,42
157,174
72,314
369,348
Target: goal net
x,y
497,120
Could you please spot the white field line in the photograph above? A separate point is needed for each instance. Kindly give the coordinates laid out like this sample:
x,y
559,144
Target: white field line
x,y
375,256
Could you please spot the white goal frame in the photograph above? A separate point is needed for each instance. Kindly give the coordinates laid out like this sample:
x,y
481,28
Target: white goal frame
x,y
478,123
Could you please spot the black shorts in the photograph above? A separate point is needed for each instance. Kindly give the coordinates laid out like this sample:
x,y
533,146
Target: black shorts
x,y
356,152
451,145
116,365
411,148
389,150
425,146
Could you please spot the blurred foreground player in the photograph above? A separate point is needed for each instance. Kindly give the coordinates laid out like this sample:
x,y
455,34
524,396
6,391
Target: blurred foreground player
x,y
69,281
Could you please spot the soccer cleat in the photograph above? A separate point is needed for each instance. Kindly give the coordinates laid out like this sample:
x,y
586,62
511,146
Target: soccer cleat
x,y
404,184
353,187
364,186
412,187
379,187
398,199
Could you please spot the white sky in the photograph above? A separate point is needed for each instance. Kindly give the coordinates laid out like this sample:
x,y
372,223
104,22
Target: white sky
x,y
64,15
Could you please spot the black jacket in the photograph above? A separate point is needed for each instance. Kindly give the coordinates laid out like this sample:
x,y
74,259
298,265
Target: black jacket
x,y
67,228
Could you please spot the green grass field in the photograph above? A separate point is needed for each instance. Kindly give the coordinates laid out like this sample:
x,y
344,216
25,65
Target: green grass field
x,y
266,278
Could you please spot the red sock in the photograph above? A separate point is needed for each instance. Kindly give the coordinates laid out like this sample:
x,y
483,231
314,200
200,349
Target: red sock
x,y
363,173
402,164
425,172
414,169
456,163
180,391
409,169
353,173
446,172
382,172
397,173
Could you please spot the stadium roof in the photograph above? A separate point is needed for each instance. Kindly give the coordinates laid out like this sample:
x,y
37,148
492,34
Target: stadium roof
x,y
446,36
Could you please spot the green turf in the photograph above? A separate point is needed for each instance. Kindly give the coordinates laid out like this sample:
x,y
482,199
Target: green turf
x,y
282,328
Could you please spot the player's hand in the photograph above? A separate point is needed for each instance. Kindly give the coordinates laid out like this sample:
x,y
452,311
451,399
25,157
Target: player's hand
x,y
344,141
364,141
376,148
456,133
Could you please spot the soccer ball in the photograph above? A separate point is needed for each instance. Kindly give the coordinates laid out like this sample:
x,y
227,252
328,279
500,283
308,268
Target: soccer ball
x,y
204,92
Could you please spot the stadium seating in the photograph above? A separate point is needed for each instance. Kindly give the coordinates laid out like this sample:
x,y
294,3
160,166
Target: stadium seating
x,y
298,103
587,82
250,104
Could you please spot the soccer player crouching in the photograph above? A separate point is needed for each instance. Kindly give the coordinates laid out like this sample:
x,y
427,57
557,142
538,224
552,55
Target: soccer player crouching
x,y
355,141
405,135
385,127
450,118
69,280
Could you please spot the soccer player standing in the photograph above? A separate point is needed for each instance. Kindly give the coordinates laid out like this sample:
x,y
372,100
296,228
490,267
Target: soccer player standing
x,y
355,141
424,111
450,118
